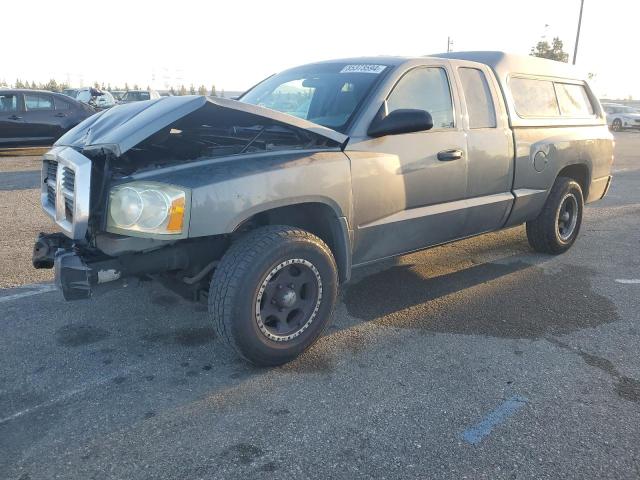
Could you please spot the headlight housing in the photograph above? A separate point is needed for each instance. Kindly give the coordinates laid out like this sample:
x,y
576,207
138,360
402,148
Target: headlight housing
x,y
147,209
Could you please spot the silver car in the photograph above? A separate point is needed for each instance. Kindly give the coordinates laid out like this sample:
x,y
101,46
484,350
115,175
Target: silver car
x,y
621,117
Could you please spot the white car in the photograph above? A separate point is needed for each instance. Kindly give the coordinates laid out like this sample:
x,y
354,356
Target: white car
x,y
139,96
99,99
621,117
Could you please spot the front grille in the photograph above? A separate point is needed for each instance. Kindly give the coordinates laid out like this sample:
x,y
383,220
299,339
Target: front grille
x,y
68,190
66,178
51,171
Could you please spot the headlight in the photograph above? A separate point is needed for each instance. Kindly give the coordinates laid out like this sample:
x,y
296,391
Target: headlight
x,y
147,207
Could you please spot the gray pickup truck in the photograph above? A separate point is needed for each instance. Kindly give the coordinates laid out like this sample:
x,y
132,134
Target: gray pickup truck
x,y
264,205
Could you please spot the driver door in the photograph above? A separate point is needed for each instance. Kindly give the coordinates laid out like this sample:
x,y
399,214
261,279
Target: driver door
x,y
409,189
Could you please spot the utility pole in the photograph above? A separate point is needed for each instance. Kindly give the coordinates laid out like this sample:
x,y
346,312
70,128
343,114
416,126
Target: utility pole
x,y
575,50
449,44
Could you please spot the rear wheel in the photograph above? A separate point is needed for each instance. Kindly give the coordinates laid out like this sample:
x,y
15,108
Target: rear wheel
x,y
616,126
273,294
557,227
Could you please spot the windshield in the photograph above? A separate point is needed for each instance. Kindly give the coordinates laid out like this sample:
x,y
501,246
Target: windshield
x,y
136,96
327,94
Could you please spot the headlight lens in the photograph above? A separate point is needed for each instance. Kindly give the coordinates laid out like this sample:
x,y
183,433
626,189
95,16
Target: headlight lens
x,y
147,207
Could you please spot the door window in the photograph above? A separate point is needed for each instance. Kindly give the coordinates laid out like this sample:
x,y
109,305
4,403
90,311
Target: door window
x,y
425,88
482,113
36,101
61,104
8,102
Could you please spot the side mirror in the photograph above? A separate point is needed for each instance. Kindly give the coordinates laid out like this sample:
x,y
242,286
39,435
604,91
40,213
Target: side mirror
x,y
406,120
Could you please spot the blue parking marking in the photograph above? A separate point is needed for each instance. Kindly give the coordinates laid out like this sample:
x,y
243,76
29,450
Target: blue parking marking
x,y
475,434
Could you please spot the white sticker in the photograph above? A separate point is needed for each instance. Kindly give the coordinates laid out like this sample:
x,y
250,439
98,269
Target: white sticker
x,y
363,68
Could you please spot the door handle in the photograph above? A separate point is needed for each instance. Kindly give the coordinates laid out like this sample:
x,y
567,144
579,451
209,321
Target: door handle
x,y
15,117
448,155
60,114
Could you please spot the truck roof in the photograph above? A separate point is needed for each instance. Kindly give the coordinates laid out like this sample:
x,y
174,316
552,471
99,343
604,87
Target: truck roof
x,y
505,63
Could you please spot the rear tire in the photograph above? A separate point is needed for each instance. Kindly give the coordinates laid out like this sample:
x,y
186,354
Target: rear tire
x,y
273,294
557,227
616,126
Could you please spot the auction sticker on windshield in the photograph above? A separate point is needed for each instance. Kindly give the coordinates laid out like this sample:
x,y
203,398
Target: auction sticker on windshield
x,y
363,68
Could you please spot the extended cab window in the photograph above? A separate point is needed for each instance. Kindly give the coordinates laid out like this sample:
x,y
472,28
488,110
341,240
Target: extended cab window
x,y
8,102
534,98
574,100
482,113
425,88
34,101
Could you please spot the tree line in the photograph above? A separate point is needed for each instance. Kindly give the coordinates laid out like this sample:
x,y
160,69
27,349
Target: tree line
x,y
53,86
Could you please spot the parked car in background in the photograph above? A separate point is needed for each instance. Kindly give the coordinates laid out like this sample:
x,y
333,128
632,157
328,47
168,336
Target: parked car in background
x,y
70,92
263,206
118,94
621,117
139,96
35,117
99,99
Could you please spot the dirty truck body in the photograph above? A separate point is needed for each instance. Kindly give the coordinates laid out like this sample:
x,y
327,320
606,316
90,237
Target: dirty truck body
x,y
263,206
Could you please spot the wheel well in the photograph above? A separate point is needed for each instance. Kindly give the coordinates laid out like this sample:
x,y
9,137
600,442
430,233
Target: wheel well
x,y
317,218
580,173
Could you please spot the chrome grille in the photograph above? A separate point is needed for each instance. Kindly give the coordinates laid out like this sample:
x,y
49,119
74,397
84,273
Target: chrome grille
x,y
66,178
50,169
68,190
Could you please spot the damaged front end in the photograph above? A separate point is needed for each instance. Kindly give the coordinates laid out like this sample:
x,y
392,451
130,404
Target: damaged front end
x,y
110,185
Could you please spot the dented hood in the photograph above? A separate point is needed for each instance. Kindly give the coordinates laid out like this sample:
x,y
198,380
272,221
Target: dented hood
x,y
124,126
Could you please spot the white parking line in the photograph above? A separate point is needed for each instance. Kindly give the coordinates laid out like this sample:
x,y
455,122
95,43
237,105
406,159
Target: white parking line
x,y
35,289
65,396
628,280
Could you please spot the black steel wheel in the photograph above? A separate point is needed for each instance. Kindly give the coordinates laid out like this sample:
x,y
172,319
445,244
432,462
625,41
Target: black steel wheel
x,y
288,299
558,224
273,293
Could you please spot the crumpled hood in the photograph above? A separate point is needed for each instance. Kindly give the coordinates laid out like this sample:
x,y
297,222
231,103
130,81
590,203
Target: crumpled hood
x,y
124,126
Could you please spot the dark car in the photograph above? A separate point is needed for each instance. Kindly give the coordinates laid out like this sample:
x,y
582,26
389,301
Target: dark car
x,y
34,117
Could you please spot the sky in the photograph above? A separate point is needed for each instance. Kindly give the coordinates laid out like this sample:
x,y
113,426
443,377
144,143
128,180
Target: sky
x,y
236,44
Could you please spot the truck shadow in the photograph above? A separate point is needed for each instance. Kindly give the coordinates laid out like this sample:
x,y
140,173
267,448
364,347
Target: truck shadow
x,y
511,298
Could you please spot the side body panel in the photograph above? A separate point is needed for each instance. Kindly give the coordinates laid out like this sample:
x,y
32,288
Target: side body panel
x,y
404,197
541,153
227,191
490,158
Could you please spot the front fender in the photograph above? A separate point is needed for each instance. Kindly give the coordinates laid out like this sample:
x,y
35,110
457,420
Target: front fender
x,y
252,185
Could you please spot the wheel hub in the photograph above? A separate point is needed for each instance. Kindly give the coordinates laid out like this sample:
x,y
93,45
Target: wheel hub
x,y
286,297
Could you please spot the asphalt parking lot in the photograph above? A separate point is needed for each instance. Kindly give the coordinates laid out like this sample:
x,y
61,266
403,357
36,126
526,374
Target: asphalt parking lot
x,y
480,359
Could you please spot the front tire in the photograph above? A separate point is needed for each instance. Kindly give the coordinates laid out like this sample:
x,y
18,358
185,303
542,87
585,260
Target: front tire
x,y
273,294
557,227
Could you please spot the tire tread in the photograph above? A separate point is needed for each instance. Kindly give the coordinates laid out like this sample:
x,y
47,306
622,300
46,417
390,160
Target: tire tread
x,y
233,267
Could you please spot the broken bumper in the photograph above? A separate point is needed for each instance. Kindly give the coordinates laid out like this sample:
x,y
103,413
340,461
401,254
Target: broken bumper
x,y
80,274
